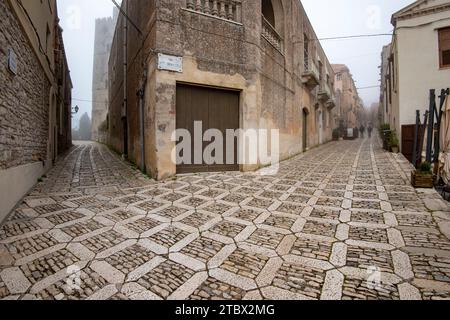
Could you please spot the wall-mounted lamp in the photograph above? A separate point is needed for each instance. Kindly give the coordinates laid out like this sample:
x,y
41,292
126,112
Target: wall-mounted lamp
x,y
75,110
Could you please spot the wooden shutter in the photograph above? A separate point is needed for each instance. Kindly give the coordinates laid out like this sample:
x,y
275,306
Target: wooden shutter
x,y
216,109
444,47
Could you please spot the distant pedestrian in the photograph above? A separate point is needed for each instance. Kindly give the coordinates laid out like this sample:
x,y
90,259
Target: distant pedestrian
x,y
370,131
362,131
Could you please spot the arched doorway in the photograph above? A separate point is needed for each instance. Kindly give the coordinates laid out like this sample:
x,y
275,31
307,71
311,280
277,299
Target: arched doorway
x,y
268,12
320,126
273,13
305,129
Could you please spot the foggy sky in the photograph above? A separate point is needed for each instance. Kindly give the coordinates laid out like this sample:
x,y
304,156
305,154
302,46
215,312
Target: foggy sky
x,y
330,18
78,23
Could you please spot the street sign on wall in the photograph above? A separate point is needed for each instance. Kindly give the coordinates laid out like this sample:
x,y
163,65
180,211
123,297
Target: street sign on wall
x,y
12,61
170,63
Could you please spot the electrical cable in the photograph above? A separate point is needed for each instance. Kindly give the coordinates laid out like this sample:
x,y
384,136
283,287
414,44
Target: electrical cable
x,y
127,17
369,87
354,37
85,100
347,37
41,49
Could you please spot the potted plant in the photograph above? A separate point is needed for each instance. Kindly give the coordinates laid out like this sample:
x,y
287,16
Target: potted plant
x,y
394,142
385,134
423,176
384,127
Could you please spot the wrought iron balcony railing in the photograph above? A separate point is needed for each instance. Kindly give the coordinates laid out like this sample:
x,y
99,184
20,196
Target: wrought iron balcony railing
x,y
310,77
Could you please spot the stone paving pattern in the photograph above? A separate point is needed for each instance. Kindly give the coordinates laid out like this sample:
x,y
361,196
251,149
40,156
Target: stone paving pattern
x,y
316,230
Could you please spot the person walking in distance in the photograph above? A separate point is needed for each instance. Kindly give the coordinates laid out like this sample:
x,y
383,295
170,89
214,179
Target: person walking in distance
x,y
370,131
362,130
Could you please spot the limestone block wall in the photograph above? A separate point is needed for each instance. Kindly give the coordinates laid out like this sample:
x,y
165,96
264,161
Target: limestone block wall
x,y
24,98
115,92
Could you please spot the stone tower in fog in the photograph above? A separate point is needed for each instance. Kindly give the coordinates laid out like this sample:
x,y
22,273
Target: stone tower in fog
x,y
104,32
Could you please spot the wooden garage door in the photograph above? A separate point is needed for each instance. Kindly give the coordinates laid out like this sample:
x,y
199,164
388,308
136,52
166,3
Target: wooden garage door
x,y
408,140
216,109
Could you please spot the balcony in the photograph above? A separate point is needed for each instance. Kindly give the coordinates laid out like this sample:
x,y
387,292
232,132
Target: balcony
x,y
271,35
229,10
324,93
331,103
310,76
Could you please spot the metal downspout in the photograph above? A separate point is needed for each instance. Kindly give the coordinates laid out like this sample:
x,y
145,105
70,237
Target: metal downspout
x,y
125,80
141,94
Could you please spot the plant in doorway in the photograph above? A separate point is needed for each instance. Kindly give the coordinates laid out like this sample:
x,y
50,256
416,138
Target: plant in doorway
x,y
394,142
336,134
385,134
422,177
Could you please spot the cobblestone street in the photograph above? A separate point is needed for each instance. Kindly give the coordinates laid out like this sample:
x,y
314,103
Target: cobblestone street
x,y
338,222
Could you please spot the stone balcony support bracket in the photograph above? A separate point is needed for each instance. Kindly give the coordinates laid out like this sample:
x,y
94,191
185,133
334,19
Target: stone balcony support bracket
x,y
324,94
310,77
331,104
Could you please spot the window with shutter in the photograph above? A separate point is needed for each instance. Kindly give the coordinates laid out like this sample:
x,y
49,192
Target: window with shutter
x,y
444,47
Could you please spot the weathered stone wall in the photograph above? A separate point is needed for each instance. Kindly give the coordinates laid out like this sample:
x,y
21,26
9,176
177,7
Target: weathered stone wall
x,y
64,108
215,53
24,98
139,49
116,96
349,101
139,55
302,26
220,53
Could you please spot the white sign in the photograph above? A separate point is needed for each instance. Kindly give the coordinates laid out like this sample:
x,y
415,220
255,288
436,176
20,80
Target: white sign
x,y
350,133
12,61
170,63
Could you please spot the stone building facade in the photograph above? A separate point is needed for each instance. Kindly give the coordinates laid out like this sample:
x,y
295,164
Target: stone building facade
x,y
416,61
349,106
259,60
386,111
104,32
35,96
64,85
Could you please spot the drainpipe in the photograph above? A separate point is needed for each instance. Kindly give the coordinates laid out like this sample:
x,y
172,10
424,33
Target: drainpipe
x,y
125,80
141,95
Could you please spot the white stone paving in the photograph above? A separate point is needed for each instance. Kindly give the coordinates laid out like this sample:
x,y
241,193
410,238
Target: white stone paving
x,y
338,222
